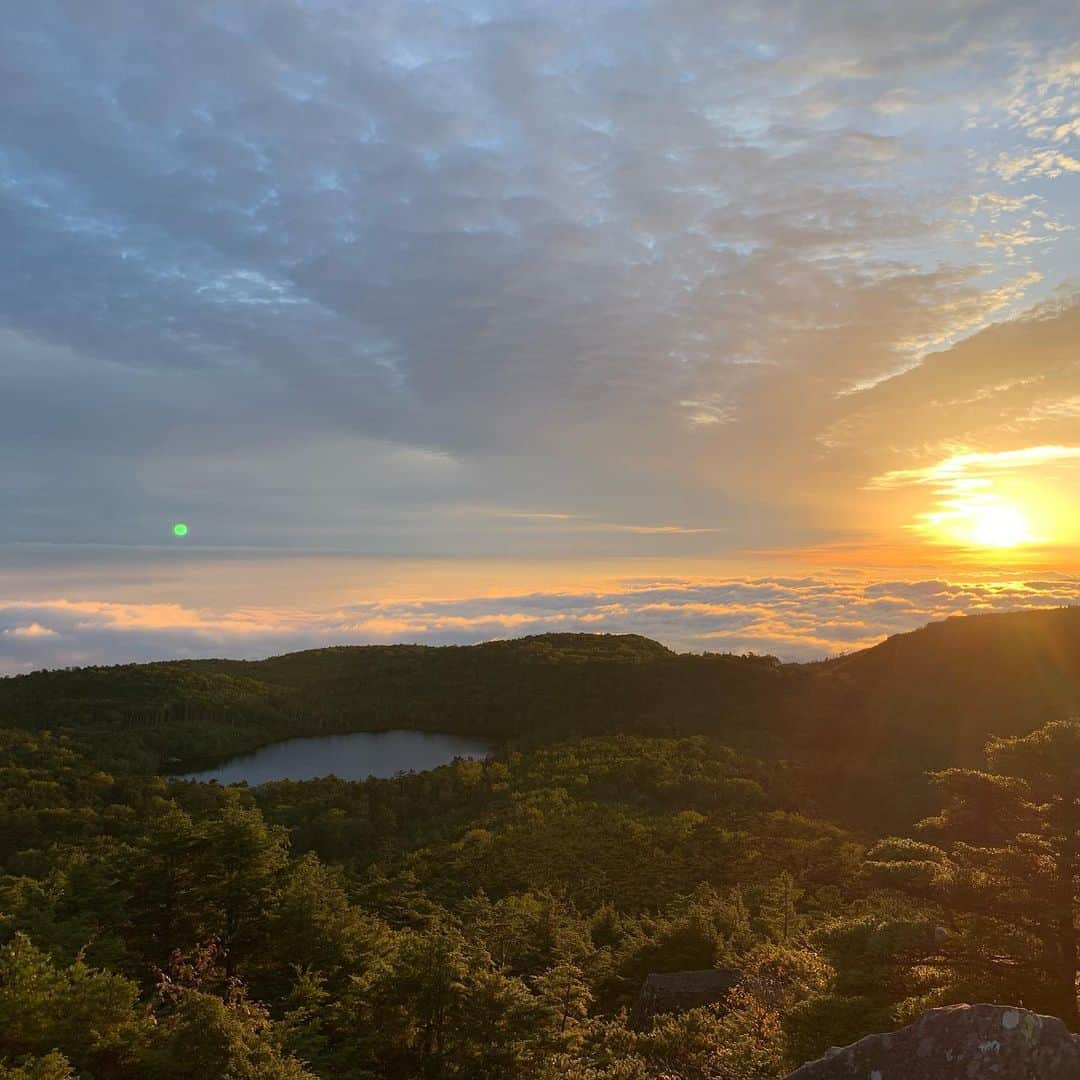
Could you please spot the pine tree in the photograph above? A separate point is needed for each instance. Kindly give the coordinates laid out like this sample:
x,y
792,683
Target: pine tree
x,y
778,915
162,875
1005,869
566,996
239,879
88,1016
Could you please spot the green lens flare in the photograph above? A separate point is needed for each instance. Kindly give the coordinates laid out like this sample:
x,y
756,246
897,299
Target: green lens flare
x,y
179,529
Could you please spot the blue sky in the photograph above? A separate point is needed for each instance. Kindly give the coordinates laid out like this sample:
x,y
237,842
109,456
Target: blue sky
x,y
585,283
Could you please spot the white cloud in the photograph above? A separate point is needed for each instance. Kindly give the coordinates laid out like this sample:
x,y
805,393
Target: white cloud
x,y
31,630
1045,161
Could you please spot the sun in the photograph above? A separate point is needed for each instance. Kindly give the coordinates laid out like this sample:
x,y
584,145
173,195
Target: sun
x,y
1001,526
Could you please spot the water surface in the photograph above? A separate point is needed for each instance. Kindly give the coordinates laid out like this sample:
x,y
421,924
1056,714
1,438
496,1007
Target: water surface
x,y
349,757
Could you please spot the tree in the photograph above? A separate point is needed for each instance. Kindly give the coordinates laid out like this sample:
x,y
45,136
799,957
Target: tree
x,y
52,1066
744,1043
201,1035
239,878
566,995
1005,870
163,876
89,1016
315,928
438,1007
778,915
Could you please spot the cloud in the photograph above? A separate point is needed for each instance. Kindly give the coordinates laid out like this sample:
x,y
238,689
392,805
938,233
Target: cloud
x,y
992,393
796,618
32,630
1042,162
974,469
324,274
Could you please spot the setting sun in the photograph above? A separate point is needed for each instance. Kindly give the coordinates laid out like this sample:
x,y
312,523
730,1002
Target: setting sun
x,y
980,505
1000,527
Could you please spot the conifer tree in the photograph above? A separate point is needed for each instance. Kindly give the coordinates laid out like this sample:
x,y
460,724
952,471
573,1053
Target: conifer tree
x,y
239,877
778,916
88,1016
1005,869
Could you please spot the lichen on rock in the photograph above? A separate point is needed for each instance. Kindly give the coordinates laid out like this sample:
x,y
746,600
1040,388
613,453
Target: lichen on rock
x,y
963,1042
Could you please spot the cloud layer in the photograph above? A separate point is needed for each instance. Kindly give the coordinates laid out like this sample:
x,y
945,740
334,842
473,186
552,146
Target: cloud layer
x,y
796,618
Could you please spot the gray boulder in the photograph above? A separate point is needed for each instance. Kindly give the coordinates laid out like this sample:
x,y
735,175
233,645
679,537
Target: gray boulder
x,y
964,1042
677,991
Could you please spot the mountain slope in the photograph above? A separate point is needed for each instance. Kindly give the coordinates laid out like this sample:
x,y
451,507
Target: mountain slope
x,y
929,699
533,689
863,728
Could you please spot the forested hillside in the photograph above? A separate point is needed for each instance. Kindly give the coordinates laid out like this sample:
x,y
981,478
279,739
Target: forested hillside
x,y
533,689
647,812
918,701
874,722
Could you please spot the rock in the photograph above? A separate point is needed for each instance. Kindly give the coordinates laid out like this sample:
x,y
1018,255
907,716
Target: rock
x,y
677,991
964,1042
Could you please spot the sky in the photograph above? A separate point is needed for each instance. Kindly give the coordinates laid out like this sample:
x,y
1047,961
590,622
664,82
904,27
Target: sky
x,y
747,326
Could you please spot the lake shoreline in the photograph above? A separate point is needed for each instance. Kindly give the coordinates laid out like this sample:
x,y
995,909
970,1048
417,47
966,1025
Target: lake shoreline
x,y
351,756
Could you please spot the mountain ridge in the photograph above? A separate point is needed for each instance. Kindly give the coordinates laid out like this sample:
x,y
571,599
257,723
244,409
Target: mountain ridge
x,y
920,700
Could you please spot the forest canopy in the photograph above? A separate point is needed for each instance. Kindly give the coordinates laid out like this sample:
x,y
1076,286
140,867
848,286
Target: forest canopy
x,y
498,918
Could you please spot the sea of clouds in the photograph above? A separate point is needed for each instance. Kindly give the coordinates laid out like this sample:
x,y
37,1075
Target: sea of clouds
x,y
795,618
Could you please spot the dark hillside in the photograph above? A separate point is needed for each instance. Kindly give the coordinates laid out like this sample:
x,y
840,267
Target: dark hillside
x,y
143,716
530,690
863,728
1018,670
931,698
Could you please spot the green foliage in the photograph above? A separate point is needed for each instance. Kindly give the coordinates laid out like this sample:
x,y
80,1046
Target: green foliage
x,y
916,867
200,1035
744,1043
189,714
916,703
779,916
485,919
89,1016
1007,874
496,918
52,1066
831,1019
437,1006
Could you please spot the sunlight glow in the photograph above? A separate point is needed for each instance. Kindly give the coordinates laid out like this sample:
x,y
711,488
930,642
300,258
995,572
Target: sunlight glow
x,y
1021,500
978,521
1000,527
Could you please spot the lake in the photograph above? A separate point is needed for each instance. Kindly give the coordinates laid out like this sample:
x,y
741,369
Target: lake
x,y
349,757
